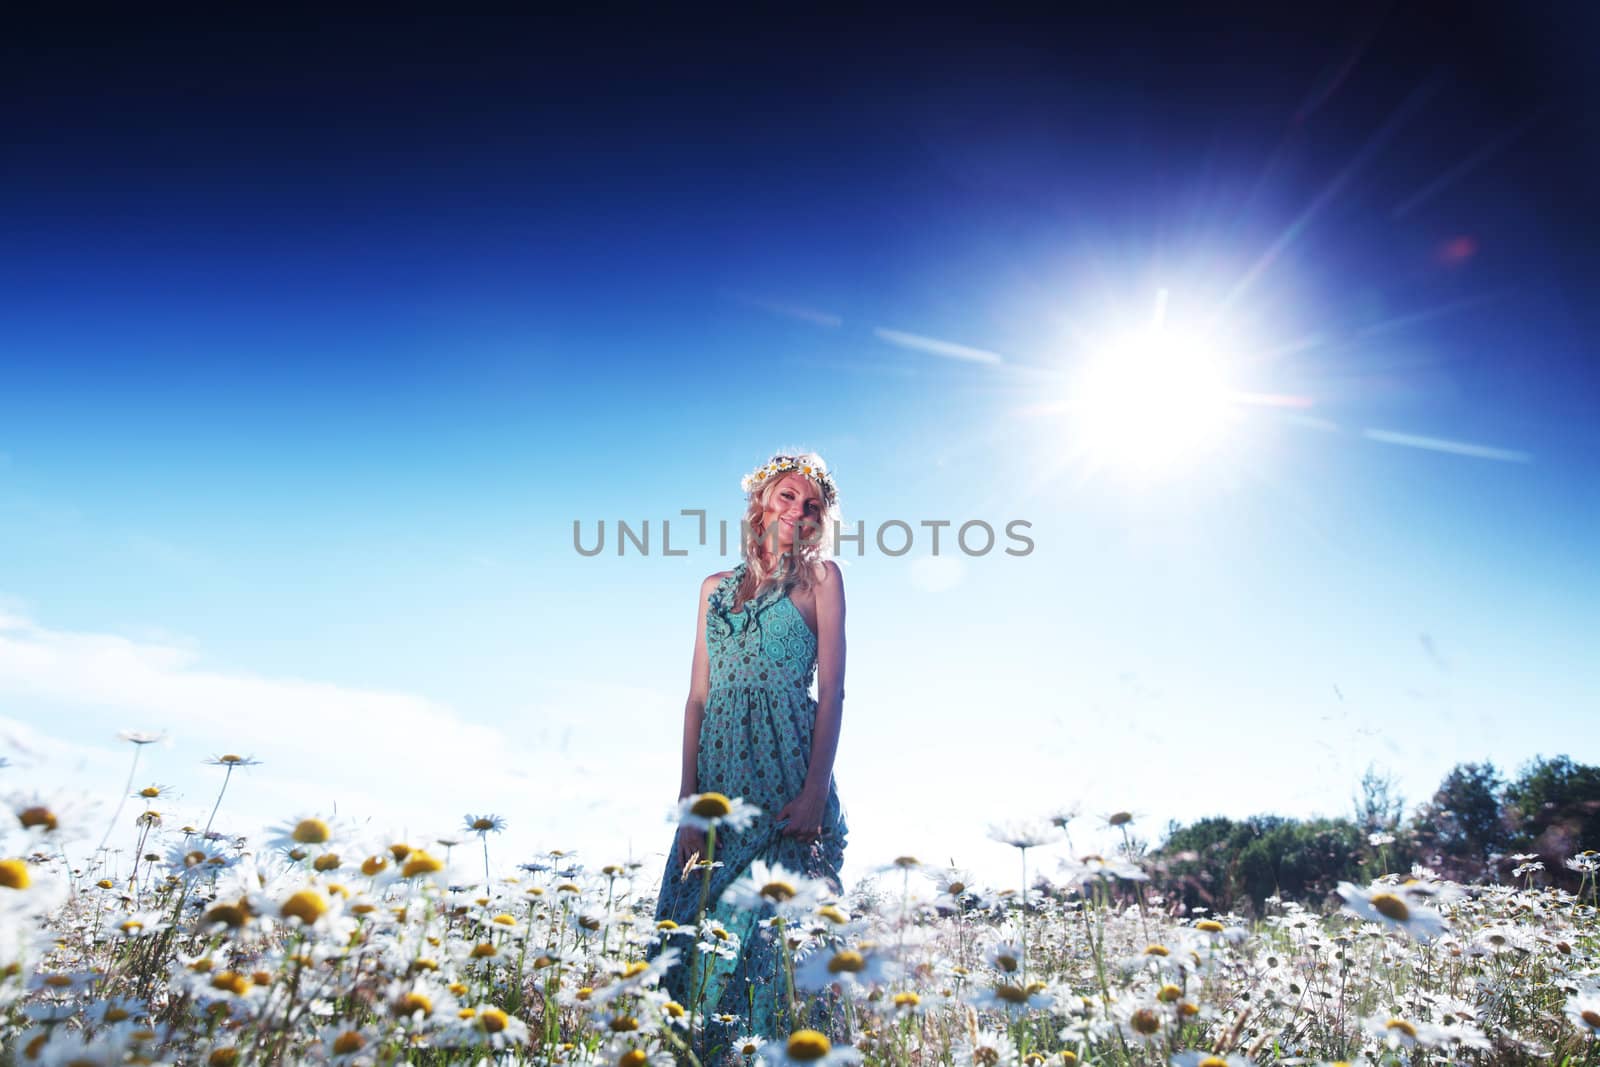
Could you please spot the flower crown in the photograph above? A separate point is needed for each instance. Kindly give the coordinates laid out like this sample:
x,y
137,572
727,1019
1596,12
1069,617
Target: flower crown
x,y
807,463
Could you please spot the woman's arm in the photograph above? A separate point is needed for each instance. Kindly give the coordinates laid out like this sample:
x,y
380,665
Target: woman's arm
x,y
829,679
694,709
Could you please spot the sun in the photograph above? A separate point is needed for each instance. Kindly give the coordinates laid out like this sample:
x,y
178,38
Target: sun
x,y
1149,402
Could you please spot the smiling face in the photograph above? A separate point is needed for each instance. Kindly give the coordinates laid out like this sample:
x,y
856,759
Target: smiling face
x,y
793,509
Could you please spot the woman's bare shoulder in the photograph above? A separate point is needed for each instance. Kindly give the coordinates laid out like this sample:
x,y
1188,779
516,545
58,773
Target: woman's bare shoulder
x,y
827,572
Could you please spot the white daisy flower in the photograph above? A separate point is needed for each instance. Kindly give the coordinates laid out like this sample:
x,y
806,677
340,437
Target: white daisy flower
x,y
747,1045
808,1048
1013,999
1584,1011
1383,904
1025,833
992,1048
790,894
1397,1033
1097,868
706,810
852,968
625,1051
304,833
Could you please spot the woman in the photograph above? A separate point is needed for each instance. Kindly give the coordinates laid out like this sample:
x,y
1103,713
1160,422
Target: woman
x,y
751,730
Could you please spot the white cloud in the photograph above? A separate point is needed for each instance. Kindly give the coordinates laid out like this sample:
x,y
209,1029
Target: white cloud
x,y
572,773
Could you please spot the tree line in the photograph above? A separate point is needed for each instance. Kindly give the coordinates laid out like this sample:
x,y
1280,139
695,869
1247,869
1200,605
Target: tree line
x,y
1478,826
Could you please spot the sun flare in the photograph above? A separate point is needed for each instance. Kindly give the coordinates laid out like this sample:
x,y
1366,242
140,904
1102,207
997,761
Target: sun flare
x,y
1150,402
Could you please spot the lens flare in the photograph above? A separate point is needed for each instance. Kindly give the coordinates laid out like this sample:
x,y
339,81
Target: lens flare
x,y
1150,402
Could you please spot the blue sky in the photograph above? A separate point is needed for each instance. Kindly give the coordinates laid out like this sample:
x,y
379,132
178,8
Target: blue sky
x,y
316,343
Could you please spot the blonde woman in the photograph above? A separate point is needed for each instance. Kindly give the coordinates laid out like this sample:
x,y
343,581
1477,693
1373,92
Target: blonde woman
x,y
752,731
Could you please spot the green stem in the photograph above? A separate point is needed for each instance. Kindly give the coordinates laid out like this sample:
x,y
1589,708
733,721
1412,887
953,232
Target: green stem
x,y
132,770
226,778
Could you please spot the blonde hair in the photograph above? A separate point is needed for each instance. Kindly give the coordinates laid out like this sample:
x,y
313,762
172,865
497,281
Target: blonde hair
x,y
806,554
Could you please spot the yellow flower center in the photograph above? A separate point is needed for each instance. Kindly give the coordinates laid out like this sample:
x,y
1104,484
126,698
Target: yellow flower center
x,y
130,926
420,863
13,874
1068,1056
633,1058
1006,962
778,891
808,1045
846,962
986,1056
482,950
1121,818
1591,1018
231,982
58,981
411,1003
373,865
1011,994
1391,907
116,1015
504,920
636,967
493,1020
328,861
348,1043
230,915
906,1000
1156,950
1169,993
1213,1061
261,977
833,914
666,924
957,888
307,905
674,1009
32,818
1188,1010
311,832
1402,1026
567,887
223,1057
623,1024
1210,926
711,806
907,861
1146,1022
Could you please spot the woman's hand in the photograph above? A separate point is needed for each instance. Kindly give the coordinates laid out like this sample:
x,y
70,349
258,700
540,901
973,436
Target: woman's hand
x,y
804,813
691,844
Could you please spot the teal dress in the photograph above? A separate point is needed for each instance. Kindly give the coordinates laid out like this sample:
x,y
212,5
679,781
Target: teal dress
x,y
755,743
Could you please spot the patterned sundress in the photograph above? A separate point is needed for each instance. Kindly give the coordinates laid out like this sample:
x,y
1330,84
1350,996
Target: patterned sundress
x,y
755,743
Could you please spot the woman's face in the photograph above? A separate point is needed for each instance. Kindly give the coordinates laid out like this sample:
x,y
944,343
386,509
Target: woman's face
x,y
794,509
